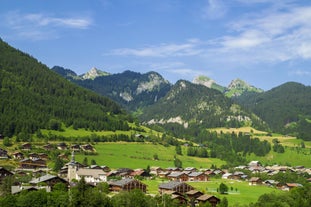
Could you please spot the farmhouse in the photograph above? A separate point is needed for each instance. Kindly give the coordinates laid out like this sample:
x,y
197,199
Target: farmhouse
x,y
179,187
127,185
18,155
4,173
87,147
213,200
62,146
32,164
48,147
49,180
25,146
255,181
91,175
197,176
193,194
3,154
178,176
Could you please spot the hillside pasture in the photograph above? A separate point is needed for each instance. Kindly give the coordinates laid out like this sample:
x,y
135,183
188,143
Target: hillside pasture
x,y
140,155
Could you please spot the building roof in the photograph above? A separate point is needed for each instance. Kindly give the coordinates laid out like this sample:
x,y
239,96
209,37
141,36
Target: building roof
x,y
91,172
206,197
193,192
43,179
171,185
122,182
195,174
176,174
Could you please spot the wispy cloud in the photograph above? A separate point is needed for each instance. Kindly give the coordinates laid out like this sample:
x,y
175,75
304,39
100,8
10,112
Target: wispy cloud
x,y
163,50
300,73
42,26
214,9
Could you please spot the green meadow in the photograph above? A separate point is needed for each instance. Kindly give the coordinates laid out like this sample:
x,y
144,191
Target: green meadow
x,y
140,155
240,192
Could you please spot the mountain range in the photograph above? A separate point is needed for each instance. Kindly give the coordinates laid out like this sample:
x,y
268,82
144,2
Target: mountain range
x,y
34,97
241,102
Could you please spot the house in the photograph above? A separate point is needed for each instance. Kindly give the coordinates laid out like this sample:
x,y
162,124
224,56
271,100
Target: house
x,y
155,170
124,172
272,183
75,147
18,189
25,146
193,194
4,173
62,146
48,147
93,176
43,156
139,172
238,175
254,164
33,156
176,196
190,169
32,164
213,200
18,155
87,148
197,176
178,176
163,174
226,176
49,180
39,172
3,154
63,157
255,181
127,185
179,187
289,186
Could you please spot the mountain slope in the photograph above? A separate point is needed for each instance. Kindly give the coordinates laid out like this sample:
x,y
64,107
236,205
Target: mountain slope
x,y
239,87
188,107
32,97
130,89
281,106
210,83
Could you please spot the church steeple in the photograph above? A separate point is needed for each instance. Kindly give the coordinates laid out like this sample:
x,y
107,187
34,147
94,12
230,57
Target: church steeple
x,y
72,168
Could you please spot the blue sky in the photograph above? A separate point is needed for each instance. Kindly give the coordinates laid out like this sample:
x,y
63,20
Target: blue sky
x,y
264,42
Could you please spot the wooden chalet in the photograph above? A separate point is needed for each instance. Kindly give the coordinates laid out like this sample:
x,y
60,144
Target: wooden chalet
x,y
178,176
32,164
213,200
127,185
176,197
4,173
87,148
155,170
43,156
179,187
190,169
197,176
33,156
25,146
63,157
193,194
62,146
3,154
75,147
18,155
255,181
48,147
49,180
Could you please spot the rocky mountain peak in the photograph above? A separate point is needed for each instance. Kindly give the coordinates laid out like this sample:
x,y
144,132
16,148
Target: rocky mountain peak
x,y
93,73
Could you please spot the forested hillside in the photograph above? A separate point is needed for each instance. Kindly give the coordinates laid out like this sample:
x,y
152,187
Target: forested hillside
x,y
33,97
286,108
187,108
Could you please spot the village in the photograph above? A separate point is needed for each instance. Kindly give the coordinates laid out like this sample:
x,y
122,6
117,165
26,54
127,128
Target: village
x,y
176,181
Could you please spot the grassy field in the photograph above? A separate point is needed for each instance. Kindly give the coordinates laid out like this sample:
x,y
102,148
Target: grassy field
x,y
140,155
241,193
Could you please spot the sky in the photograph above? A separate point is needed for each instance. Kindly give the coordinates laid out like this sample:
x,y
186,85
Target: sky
x,y
263,42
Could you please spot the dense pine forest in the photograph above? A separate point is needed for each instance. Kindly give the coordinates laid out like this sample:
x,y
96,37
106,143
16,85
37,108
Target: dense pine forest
x,y
34,97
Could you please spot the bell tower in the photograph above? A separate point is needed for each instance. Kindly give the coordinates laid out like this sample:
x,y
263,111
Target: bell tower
x,y
72,168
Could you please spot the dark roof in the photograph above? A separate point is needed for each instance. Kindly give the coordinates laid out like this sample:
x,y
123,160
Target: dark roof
x,y
206,197
44,178
176,174
195,174
170,185
122,182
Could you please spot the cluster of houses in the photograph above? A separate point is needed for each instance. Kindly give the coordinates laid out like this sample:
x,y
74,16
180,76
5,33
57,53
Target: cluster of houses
x,y
178,185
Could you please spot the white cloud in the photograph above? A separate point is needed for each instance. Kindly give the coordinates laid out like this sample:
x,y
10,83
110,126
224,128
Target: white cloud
x,y
214,9
42,26
163,50
300,73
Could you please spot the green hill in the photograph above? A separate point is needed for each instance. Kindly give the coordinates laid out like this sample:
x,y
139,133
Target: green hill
x,y
34,97
187,108
286,108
